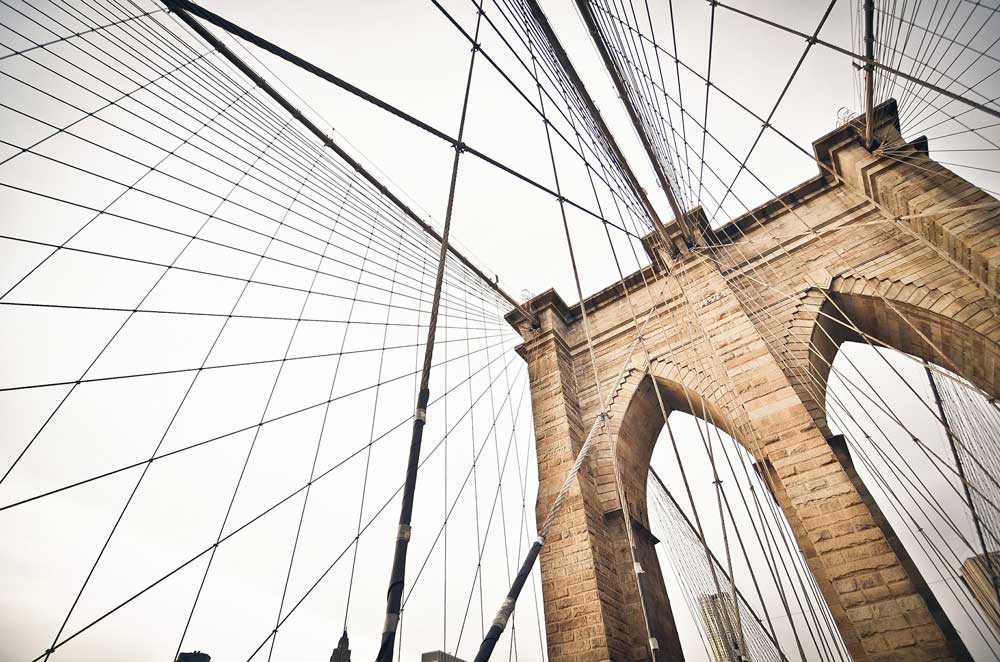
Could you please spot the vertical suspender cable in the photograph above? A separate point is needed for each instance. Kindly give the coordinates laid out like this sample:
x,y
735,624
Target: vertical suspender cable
x,y
535,12
871,61
503,614
397,577
737,595
869,71
661,175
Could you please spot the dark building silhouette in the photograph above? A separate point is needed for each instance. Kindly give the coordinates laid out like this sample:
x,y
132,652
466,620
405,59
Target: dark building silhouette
x,y
196,656
342,653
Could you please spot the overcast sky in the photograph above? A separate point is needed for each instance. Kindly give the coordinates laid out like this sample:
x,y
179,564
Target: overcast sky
x,y
408,54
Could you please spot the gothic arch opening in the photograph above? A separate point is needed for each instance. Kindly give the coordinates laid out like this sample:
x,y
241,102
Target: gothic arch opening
x,y
689,593
885,421
966,342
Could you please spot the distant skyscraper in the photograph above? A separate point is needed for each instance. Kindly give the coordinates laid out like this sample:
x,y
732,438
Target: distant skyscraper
x,y
977,573
342,653
719,618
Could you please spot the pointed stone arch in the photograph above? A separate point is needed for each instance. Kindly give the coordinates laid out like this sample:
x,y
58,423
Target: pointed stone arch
x,y
760,345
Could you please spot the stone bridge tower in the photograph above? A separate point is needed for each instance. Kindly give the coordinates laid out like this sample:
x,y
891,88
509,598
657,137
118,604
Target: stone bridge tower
x,y
865,248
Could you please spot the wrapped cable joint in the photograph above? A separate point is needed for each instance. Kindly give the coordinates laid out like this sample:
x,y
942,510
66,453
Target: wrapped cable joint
x,y
507,607
638,568
391,621
653,644
403,533
504,614
421,415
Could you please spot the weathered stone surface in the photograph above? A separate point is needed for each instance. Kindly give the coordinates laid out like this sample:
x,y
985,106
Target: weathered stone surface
x,y
744,335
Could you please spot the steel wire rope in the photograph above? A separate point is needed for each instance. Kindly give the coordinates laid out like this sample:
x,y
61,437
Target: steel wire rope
x,y
185,5
228,434
279,118
424,238
197,238
426,457
649,114
139,481
844,51
579,151
480,540
626,291
774,107
248,523
322,430
267,404
660,490
77,35
397,574
651,642
925,66
941,73
556,73
449,510
659,153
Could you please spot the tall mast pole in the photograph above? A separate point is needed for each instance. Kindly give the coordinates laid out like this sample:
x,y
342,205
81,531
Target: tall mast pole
x,y
869,72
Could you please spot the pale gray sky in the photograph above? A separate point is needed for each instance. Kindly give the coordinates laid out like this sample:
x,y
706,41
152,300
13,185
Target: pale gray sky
x,y
408,54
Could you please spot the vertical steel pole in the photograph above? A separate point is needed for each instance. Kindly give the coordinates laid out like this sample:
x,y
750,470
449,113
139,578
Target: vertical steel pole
x,y
869,71
394,596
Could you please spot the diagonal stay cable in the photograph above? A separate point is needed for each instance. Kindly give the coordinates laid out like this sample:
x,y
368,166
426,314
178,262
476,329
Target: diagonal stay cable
x,y
246,525
237,431
399,490
860,58
182,6
774,107
267,405
142,475
115,335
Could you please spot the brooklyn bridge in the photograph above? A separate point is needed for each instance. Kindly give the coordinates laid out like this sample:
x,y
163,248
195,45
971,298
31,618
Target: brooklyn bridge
x,y
500,329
